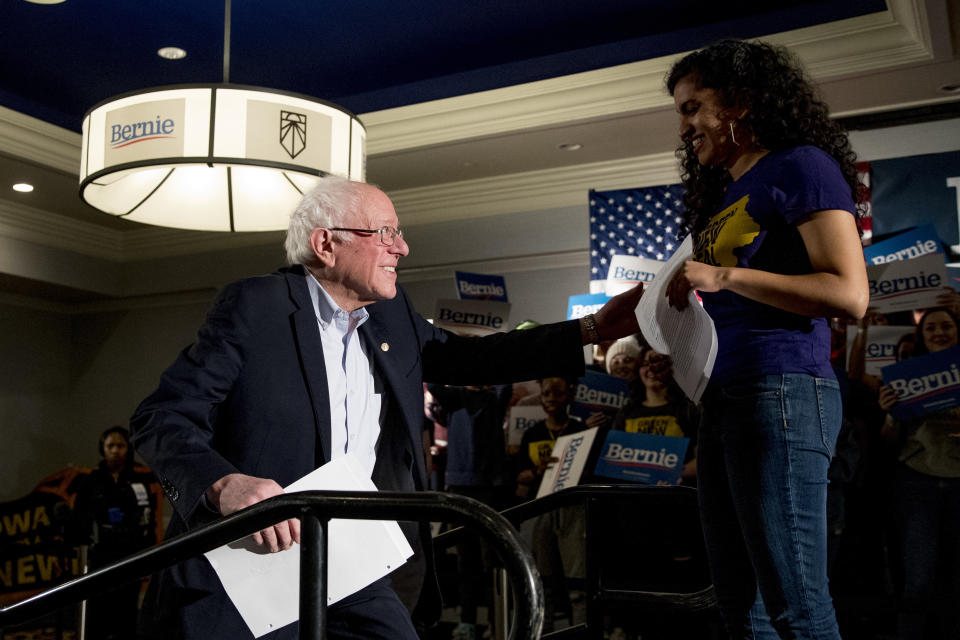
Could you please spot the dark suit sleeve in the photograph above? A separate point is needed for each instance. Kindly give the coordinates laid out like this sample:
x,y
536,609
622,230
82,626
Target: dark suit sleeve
x,y
544,351
173,428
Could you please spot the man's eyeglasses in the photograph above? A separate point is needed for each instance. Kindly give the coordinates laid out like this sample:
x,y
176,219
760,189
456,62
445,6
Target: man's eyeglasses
x,y
388,235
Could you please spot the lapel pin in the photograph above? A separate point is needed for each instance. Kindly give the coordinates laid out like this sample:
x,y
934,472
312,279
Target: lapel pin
x,y
384,346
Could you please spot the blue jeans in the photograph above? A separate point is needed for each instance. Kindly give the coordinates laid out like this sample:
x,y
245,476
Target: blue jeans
x,y
764,449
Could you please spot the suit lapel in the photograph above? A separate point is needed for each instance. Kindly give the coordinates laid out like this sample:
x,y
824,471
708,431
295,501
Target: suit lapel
x,y
306,334
388,354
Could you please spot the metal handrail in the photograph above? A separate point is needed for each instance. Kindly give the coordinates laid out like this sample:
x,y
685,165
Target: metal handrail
x,y
316,508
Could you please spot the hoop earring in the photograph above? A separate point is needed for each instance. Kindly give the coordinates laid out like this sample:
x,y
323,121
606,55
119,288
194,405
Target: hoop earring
x,y
733,136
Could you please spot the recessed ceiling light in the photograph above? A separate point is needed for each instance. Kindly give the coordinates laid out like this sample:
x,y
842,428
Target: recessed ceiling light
x,y
570,146
23,187
171,53
45,1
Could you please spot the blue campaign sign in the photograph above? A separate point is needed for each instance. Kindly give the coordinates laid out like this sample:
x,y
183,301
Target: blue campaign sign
x,y
925,384
642,457
584,305
479,286
599,392
911,244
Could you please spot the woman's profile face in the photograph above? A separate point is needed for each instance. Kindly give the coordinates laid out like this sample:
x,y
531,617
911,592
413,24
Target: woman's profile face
x,y
939,331
703,123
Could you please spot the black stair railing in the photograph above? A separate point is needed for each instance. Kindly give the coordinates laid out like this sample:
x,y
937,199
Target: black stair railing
x,y
315,509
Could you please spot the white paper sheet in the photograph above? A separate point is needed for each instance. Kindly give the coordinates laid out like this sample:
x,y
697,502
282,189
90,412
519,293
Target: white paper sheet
x,y
265,586
687,336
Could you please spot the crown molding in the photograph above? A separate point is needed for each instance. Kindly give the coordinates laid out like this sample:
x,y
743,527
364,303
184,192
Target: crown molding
x,y
42,227
513,264
896,37
529,191
39,142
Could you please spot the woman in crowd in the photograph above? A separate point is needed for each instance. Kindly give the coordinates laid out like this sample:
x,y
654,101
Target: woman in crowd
x,y
770,200
928,496
657,406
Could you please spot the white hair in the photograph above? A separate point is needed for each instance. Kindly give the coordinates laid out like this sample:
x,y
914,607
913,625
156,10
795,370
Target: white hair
x,y
326,205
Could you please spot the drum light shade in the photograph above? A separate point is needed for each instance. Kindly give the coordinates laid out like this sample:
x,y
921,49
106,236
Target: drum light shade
x,y
214,157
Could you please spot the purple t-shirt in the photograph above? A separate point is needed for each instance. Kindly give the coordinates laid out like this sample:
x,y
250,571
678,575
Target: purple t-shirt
x,y
757,228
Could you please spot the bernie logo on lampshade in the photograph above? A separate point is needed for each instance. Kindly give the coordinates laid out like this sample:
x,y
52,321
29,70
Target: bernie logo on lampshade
x,y
214,157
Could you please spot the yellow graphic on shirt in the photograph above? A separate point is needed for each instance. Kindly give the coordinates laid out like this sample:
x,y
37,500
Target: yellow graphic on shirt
x,y
730,229
654,425
540,451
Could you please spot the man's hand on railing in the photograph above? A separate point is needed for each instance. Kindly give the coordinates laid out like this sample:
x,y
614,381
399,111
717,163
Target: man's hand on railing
x,y
237,491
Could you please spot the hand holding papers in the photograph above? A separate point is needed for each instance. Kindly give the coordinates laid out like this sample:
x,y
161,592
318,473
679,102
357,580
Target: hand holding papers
x,y
265,587
687,336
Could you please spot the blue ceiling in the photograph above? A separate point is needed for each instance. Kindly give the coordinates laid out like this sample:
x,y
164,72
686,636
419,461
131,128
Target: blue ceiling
x,y
60,60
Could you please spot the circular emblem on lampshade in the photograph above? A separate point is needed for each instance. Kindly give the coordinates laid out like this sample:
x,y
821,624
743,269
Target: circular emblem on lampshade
x,y
214,157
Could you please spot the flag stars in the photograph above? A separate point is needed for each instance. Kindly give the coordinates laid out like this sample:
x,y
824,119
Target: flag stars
x,y
669,246
613,252
659,239
629,249
649,214
611,217
602,227
619,225
621,242
659,256
593,219
611,235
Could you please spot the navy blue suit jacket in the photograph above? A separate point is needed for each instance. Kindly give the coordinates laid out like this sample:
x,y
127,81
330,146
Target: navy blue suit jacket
x,y
250,396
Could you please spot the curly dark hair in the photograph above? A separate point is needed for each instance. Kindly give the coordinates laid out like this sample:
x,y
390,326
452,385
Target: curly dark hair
x,y
783,111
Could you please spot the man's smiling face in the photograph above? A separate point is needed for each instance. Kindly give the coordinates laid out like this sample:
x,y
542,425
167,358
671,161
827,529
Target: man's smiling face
x,y
365,268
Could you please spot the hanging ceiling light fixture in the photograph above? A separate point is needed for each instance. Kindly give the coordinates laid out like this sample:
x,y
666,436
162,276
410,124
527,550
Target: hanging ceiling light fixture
x,y
214,157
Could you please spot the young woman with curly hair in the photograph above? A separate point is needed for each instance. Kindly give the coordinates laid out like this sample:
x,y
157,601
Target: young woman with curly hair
x,y
771,193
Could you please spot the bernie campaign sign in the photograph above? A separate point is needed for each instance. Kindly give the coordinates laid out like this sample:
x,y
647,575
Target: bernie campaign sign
x,y
477,286
571,452
902,285
881,346
522,418
472,317
584,305
642,457
925,384
628,271
599,392
915,243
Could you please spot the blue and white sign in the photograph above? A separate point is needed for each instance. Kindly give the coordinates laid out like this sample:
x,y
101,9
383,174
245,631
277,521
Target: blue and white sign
x,y
584,305
907,284
917,242
880,348
626,272
599,392
642,457
925,384
479,286
472,317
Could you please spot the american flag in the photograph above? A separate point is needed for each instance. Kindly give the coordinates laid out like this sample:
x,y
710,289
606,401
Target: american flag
x,y
637,222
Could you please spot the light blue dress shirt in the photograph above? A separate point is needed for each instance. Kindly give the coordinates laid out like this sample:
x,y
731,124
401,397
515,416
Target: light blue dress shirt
x,y
354,399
